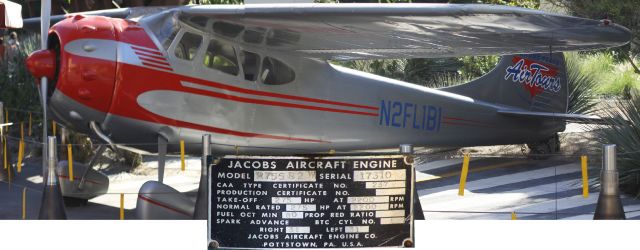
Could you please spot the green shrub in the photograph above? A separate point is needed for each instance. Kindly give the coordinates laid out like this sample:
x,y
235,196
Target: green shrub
x,y
582,85
622,117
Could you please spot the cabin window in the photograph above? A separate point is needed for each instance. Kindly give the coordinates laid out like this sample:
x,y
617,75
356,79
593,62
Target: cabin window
x,y
227,29
167,34
221,57
188,46
275,72
253,36
279,37
250,64
198,21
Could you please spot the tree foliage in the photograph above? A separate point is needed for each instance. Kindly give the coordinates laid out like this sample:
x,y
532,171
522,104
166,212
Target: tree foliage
x,y
623,12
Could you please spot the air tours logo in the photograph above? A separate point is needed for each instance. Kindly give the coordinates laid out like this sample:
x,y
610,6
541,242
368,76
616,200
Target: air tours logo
x,y
535,77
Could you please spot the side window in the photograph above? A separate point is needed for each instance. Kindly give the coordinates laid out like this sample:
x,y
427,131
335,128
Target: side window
x,y
227,29
188,46
255,35
275,72
221,57
250,64
166,33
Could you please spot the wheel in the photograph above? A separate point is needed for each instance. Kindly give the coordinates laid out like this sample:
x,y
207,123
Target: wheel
x,y
74,202
543,149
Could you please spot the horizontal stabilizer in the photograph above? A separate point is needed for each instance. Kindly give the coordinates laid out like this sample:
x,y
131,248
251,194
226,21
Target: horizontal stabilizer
x,y
580,118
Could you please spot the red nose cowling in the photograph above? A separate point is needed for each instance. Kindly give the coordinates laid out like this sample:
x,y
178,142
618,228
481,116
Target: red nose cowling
x,y
42,63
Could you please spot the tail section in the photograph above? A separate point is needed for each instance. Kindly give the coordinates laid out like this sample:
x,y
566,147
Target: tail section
x,y
530,82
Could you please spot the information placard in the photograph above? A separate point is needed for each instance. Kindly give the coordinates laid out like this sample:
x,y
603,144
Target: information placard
x,y
300,202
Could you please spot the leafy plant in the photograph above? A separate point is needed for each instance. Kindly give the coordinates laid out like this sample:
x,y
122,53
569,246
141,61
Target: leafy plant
x,y
582,86
623,129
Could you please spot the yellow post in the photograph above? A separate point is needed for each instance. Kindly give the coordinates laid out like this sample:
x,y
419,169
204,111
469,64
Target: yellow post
x,y
585,177
4,151
463,174
121,206
513,216
53,127
70,160
182,166
24,203
20,155
21,130
6,115
29,133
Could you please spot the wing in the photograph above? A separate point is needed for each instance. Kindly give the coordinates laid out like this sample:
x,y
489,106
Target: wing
x,y
373,31
33,24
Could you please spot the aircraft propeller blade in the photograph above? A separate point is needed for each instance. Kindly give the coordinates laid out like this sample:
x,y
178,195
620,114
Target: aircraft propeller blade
x,y
45,17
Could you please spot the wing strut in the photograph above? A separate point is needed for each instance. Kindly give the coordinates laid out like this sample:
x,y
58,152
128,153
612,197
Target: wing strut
x,y
162,153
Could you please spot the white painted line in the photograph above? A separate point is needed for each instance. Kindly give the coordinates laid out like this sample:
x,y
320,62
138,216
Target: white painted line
x,y
441,163
506,179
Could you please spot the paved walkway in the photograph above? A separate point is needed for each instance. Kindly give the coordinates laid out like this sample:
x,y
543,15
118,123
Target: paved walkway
x,y
533,189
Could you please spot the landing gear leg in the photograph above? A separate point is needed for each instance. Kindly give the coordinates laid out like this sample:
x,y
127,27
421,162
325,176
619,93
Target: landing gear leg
x,y
162,153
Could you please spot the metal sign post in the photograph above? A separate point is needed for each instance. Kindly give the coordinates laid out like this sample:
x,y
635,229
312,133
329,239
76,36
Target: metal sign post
x,y
609,205
200,212
52,206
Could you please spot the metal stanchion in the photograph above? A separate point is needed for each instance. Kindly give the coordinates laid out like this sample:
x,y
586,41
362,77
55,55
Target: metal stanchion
x,y
52,206
200,211
609,204
407,150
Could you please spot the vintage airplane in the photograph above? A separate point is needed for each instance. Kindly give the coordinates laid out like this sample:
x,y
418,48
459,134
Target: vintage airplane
x,y
258,78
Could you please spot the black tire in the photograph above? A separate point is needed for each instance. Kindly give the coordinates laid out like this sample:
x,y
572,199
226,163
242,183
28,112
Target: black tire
x,y
74,202
543,149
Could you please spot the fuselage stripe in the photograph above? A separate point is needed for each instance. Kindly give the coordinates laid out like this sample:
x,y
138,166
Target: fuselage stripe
x,y
271,103
150,56
147,51
460,120
156,66
282,96
154,61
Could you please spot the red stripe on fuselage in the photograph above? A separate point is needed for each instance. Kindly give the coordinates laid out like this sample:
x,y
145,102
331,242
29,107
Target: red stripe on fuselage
x,y
138,82
272,103
147,199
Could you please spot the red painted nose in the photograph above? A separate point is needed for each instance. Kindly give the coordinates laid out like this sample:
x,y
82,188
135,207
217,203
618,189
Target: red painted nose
x,y
42,63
